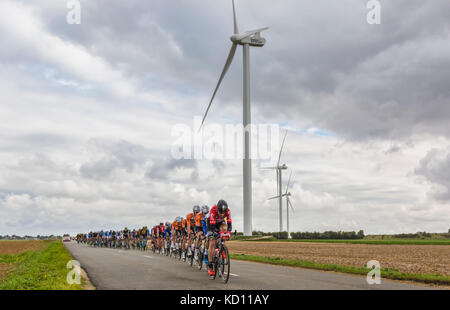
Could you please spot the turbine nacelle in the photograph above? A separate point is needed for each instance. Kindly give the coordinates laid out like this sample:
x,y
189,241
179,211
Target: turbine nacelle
x,y
252,40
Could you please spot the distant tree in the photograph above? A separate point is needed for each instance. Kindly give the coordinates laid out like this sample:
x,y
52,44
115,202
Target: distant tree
x,y
361,234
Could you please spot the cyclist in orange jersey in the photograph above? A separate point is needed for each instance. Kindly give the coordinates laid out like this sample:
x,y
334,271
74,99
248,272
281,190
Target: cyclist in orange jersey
x,y
190,228
176,232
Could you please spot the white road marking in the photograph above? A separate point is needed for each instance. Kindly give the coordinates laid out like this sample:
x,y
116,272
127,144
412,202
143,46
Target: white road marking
x,y
147,256
235,275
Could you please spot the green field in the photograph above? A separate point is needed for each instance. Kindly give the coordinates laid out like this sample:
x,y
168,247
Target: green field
x,y
385,273
43,269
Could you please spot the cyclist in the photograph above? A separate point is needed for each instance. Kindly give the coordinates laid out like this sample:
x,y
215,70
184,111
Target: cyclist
x,y
160,236
183,236
218,215
176,232
198,228
126,238
114,239
143,237
153,237
167,234
190,227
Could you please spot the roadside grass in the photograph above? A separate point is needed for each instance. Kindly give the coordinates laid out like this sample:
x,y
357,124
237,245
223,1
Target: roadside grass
x,y
355,241
385,272
39,270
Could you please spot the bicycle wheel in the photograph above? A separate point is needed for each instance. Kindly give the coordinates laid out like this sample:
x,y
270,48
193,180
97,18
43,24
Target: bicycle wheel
x,y
191,260
224,264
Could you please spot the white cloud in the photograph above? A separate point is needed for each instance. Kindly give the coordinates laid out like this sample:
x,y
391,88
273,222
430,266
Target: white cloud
x,y
86,115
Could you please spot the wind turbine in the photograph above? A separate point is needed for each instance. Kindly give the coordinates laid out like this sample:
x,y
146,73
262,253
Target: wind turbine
x,y
279,169
287,194
246,39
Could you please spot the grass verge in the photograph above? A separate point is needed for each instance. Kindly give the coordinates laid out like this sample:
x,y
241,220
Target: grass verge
x,y
39,270
385,272
356,241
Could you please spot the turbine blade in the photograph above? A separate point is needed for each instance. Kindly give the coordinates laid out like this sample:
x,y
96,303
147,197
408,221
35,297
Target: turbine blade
x,y
281,149
265,168
224,71
278,179
236,30
287,187
251,32
273,197
290,204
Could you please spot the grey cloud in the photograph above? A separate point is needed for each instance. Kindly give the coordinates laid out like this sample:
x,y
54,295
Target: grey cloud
x,y
322,65
162,170
435,168
117,154
99,169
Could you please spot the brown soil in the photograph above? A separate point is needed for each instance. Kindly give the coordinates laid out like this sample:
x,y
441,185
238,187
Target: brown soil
x,y
15,247
5,269
417,259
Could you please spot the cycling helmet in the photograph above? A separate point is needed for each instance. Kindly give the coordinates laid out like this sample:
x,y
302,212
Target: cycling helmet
x,y
222,206
205,209
196,209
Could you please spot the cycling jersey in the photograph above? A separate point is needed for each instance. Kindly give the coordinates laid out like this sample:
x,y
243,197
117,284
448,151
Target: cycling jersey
x,y
161,230
198,219
176,225
190,220
215,219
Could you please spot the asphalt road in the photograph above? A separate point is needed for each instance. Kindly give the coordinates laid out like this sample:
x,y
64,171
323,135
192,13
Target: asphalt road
x,y
118,269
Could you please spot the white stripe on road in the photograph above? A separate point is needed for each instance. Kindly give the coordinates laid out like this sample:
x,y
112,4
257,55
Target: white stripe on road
x,y
147,256
235,275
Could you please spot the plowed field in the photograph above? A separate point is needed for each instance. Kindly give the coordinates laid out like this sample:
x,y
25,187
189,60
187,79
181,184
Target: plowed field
x,y
417,259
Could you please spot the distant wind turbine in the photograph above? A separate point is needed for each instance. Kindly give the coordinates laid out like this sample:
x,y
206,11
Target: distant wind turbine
x,y
279,169
246,39
287,194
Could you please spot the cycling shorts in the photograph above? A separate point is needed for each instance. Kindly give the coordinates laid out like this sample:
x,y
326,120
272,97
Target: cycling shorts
x,y
198,229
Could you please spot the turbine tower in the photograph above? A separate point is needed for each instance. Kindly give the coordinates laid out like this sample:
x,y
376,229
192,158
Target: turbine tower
x,y
287,194
279,169
246,39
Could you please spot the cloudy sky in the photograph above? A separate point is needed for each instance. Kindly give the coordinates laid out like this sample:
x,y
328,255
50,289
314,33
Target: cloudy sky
x,y
87,112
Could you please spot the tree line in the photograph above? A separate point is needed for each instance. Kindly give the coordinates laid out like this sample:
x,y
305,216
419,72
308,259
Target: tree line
x,y
313,235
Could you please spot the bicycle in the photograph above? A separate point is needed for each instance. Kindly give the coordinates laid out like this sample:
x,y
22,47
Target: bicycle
x,y
201,252
167,247
192,251
221,258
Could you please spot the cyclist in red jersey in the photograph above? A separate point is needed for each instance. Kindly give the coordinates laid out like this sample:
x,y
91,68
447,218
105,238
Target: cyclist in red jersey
x,y
218,215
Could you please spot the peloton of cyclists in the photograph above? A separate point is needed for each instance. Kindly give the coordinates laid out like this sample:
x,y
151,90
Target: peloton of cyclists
x,y
202,223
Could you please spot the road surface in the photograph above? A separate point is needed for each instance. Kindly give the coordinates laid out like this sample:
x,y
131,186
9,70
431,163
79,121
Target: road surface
x,y
118,269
